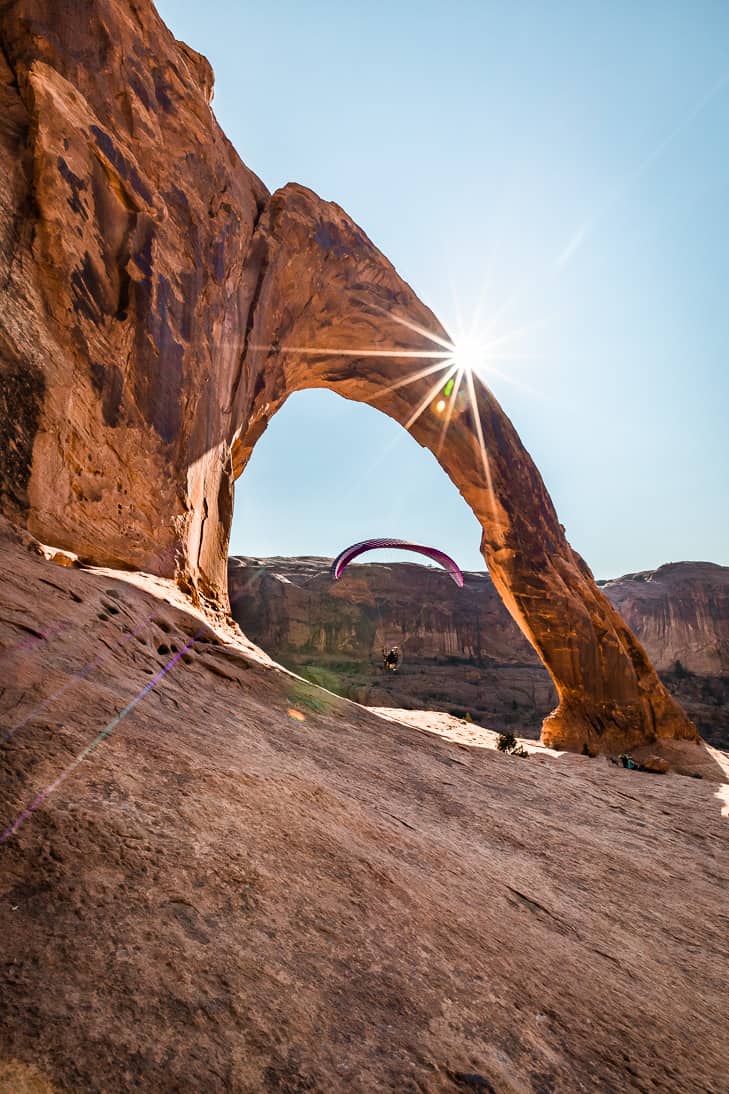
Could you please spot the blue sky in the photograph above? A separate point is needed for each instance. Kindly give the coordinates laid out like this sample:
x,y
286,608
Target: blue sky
x,y
571,159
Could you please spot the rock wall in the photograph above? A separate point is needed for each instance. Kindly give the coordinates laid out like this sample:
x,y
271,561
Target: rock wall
x,y
681,612
158,307
126,220
463,653
292,605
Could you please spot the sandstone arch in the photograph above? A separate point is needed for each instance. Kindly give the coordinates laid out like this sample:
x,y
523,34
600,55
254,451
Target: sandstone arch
x,y
145,334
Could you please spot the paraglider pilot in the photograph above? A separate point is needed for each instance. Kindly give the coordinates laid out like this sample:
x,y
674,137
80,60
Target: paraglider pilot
x,y
391,658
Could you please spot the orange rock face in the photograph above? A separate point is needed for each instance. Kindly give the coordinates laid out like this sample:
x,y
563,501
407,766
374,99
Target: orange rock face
x,y
153,298
125,224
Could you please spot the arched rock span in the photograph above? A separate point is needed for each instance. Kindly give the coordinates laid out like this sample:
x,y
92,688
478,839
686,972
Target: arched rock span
x,y
150,284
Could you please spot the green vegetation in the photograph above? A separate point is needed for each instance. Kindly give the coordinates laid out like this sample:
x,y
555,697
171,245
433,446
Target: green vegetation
x,y
303,697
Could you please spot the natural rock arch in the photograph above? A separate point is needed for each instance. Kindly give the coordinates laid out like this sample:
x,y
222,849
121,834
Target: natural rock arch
x,y
322,285
145,341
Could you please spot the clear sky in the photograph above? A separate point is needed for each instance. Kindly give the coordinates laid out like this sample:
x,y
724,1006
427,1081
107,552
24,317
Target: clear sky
x,y
569,158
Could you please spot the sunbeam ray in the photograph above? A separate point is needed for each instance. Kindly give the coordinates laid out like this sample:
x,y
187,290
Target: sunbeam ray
x,y
429,397
449,413
411,379
417,329
327,351
479,435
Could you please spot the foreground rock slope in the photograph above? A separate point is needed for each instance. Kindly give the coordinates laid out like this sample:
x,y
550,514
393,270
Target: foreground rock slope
x,y
159,306
253,885
462,650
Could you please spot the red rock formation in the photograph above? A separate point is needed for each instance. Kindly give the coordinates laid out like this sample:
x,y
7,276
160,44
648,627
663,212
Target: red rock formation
x,y
151,292
125,223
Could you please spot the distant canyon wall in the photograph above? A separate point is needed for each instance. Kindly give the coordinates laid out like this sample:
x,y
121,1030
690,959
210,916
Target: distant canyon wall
x,y
681,614
462,651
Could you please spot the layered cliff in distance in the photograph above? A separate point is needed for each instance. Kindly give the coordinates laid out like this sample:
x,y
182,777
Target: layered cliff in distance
x,y
462,651
680,612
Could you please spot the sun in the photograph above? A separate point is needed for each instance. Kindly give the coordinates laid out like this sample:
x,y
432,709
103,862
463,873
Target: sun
x,y
455,370
468,355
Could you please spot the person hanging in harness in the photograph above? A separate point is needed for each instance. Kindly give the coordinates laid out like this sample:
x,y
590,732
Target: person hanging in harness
x,y
391,658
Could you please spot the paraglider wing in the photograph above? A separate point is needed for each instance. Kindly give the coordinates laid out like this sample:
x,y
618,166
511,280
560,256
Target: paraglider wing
x,y
350,553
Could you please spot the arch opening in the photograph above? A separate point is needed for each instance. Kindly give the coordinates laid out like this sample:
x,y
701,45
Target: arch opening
x,y
459,651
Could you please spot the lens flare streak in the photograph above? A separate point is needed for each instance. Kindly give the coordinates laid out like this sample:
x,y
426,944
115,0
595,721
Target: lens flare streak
x,y
76,678
35,640
429,397
479,434
452,396
105,732
327,351
413,377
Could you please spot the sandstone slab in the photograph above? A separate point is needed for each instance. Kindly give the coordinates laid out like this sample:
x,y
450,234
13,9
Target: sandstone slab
x,y
222,896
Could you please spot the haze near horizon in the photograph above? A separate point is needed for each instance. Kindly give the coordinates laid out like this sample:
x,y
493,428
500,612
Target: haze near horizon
x,y
565,168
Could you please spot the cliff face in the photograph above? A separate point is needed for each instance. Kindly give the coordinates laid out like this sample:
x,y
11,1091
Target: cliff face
x,y
296,606
159,306
125,224
681,612
462,651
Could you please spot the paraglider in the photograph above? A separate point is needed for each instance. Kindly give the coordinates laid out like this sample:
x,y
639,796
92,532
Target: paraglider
x,y
350,553
391,654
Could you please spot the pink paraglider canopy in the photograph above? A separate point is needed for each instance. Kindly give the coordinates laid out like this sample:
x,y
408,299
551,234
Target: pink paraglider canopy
x,y
350,553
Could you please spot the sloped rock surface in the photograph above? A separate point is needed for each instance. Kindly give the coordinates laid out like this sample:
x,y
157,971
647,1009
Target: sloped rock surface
x,y
250,885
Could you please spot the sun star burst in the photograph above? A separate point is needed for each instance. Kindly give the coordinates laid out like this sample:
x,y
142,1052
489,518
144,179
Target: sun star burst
x,y
454,366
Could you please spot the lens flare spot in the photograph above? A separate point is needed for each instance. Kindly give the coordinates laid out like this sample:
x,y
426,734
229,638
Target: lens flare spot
x,y
440,406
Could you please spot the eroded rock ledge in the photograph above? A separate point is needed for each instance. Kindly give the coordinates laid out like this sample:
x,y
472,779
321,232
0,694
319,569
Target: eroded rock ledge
x,y
151,292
